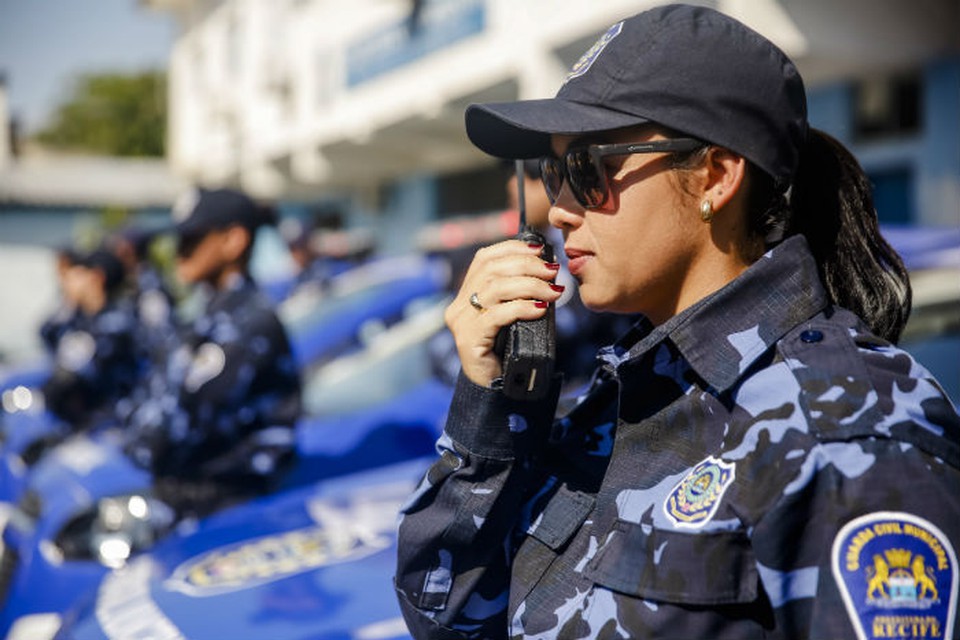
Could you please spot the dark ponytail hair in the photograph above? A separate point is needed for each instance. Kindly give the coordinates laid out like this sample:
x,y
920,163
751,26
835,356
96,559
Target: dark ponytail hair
x,y
832,206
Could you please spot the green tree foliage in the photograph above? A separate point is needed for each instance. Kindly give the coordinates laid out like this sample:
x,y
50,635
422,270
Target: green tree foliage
x,y
112,114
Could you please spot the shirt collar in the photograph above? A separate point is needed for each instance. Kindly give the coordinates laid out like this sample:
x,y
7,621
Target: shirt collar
x,y
723,334
237,285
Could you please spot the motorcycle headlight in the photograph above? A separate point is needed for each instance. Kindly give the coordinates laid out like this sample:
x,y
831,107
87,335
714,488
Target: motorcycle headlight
x,y
115,529
22,399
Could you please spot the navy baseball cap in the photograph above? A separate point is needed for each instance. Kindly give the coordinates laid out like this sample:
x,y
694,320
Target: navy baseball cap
x,y
200,211
691,69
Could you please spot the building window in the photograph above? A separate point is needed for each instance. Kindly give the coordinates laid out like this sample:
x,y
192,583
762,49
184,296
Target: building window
x,y
893,195
888,107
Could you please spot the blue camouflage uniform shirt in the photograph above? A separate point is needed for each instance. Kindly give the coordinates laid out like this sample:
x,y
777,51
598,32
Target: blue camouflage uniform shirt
x,y
94,365
156,326
759,466
54,327
224,407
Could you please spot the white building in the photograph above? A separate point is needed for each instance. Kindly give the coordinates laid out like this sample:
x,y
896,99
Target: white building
x,y
361,101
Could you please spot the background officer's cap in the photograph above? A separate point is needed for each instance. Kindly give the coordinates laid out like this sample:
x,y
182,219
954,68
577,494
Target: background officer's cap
x,y
203,210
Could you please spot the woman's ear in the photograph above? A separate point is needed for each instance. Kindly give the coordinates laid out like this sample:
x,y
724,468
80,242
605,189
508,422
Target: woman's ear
x,y
725,176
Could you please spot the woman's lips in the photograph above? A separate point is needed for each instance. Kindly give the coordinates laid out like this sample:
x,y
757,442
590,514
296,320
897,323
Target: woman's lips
x,y
576,261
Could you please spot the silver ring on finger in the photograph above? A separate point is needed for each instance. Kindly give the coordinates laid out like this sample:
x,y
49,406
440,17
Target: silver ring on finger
x,y
475,303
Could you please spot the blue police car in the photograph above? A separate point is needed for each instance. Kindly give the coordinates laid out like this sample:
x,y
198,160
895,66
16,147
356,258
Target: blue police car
x,y
86,508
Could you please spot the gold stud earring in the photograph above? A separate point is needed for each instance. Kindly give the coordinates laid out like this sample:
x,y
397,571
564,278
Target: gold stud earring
x,y
706,211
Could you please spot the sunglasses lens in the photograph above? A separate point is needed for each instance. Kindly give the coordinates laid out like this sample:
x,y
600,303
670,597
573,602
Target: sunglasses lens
x,y
551,172
587,181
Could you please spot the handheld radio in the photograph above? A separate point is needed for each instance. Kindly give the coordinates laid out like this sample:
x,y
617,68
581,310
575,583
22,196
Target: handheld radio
x,y
527,348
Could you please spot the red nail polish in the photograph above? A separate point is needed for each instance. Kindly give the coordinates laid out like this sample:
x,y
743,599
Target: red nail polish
x,y
553,266
557,287
540,304
535,245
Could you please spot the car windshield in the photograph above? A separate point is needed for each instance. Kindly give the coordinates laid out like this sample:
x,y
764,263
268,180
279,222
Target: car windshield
x,y
394,361
932,335
300,315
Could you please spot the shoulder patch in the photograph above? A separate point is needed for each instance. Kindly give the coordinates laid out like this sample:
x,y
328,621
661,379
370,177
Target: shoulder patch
x,y
76,350
695,499
154,309
898,576
208,362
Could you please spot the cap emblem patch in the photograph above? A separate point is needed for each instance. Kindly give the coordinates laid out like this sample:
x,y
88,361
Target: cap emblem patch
x,y
586,60
184,205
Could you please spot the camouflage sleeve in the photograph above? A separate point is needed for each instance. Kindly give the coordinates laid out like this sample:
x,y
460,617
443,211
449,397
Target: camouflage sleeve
x,y
862,543
53,328
238,395
223,370
453,569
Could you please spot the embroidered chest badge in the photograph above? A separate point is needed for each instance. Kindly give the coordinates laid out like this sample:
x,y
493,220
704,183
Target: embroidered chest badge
x,y
898,576
695,499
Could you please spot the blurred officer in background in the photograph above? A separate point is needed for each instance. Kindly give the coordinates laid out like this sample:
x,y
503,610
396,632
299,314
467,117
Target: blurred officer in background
x,y
95,362
66,314
311,270
151,298
310,241
220,427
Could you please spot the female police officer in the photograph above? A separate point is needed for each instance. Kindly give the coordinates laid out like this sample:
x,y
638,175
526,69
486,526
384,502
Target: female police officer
x,y
755,458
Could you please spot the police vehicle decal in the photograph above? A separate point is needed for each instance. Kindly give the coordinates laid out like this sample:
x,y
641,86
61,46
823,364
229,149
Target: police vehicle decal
x,y
262,560
692,503
586,60
898,576
344,532
125,609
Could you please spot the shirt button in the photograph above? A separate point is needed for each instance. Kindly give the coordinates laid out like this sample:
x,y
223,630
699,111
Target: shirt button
x,y
811,335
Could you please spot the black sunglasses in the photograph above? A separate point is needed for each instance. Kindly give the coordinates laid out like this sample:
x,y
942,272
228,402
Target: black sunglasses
x,y
582,167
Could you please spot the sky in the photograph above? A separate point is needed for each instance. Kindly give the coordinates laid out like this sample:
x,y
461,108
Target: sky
x,y
45,44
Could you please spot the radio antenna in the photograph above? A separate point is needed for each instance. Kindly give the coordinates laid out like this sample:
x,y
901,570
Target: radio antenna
x,y
521,199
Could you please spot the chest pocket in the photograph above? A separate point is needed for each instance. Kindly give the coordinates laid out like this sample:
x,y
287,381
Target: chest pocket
x,y
562,516
670,566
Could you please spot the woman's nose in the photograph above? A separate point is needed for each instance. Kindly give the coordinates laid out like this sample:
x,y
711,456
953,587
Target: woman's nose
x,y
566,212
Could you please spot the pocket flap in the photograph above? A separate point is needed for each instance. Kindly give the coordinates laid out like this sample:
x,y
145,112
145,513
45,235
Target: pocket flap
x,y
562,516
673,566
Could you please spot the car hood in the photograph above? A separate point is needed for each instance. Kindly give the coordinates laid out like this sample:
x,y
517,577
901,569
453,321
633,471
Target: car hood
x,y
75,474
309,563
